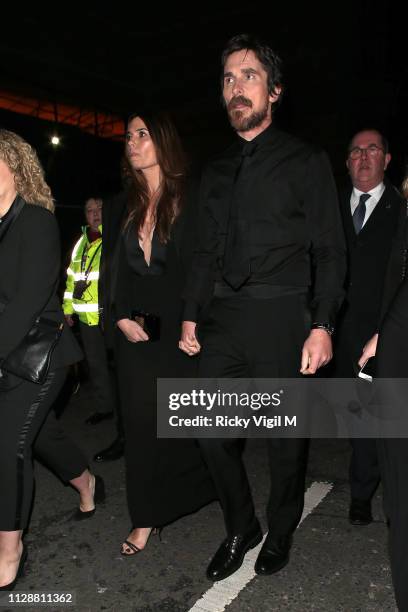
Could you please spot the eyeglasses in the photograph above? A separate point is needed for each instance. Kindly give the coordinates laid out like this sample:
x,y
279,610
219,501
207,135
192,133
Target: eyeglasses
x,y
371,151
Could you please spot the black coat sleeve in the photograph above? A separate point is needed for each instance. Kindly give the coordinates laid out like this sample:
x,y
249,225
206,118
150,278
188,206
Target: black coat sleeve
x,y
328,250
397,263
121,306
201,275
36,269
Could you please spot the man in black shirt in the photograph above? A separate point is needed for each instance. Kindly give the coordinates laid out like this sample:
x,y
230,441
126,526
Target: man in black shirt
x,y
265,285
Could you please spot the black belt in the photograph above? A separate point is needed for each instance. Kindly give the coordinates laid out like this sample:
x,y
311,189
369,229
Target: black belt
x,y
259,291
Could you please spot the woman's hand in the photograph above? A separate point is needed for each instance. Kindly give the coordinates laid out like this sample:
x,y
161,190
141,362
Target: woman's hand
x,y
188,342
369,350
132,330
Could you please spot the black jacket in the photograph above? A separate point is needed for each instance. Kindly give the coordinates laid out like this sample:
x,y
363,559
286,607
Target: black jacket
x,y
113,214
29,273
374,272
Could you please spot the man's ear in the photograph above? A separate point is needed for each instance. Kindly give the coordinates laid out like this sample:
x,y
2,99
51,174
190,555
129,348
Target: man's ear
x,y
274,96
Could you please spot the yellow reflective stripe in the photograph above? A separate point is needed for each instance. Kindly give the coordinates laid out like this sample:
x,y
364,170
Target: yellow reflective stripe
x,y
68,295
76,247
85,307
70,272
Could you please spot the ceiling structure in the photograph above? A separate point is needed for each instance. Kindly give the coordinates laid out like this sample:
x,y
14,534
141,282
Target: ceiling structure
x,y
100,124
110,61
90,67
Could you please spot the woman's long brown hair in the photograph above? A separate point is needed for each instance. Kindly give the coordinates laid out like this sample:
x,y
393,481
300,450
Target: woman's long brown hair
x,y
172,162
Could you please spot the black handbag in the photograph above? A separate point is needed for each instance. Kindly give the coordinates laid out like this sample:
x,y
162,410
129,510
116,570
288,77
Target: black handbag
x,y
32,358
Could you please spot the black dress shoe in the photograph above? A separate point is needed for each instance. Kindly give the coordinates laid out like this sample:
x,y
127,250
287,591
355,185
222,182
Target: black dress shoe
x,y
360,512
20,570
113,452
273,556
231,553
99,498
97,417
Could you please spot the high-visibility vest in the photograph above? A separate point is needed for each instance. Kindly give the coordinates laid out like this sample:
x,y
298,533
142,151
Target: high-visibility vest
x,y
84,265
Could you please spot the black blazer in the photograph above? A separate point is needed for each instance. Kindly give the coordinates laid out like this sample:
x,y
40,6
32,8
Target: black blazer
x,y
29,272
113,213
374,271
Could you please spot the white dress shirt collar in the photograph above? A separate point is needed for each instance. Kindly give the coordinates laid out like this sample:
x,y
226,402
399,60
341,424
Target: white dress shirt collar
x,y
371,203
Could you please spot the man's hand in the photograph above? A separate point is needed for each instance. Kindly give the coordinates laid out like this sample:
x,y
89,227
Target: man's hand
x,y
317,351
188,342
369,350
132,330
69,320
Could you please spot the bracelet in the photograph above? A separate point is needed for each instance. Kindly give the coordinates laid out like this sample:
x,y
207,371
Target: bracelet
x,y
325,326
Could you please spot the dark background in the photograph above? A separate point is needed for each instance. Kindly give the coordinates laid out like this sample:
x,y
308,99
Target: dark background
x,y
345,68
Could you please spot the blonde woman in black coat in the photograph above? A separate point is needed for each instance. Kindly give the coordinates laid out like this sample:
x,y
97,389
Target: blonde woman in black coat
x,y
29,269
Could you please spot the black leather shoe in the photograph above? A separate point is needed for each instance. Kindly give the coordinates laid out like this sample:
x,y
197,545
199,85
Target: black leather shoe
x,y
360,512
97,417
273,556
231,553
113,452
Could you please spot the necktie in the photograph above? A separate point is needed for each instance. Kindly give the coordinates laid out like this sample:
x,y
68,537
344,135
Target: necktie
x,y
359,213
237,256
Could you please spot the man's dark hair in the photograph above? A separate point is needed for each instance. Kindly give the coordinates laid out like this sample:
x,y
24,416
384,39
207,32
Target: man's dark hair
x,y
263,52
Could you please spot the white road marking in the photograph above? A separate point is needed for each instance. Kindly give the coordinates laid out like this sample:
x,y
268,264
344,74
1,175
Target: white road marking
x,y
222,593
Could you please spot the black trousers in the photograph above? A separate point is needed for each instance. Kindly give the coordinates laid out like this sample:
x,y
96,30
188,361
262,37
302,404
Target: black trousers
x,y
364,470
25,417
393,455
99,373
260,338
392,362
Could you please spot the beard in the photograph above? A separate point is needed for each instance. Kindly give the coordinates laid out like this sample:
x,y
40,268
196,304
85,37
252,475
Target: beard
x,y
239,121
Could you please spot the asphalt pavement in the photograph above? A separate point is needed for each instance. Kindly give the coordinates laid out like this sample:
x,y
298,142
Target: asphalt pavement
x,y
334,566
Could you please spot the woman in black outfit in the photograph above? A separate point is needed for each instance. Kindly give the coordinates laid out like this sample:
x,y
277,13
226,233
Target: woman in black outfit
x,y
390,348
29,270
165,478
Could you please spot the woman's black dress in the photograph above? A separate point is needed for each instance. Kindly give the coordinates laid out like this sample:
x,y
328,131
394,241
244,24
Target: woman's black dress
x,y
166,478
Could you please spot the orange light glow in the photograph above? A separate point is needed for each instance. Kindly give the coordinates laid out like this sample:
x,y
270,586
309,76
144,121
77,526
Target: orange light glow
x,y
100,124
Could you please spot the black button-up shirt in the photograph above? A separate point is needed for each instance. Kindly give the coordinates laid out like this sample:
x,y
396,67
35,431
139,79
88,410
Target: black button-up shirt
x,y
294,228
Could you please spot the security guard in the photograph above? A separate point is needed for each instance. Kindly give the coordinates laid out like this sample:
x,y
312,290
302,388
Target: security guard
x,y
81,298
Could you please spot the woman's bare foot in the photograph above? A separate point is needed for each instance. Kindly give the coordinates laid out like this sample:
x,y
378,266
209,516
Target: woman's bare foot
x,y
138,537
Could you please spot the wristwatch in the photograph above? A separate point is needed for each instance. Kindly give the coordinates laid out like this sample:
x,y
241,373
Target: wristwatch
x,y
327,327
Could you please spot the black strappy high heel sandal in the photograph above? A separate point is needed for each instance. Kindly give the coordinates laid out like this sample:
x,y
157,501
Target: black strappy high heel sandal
x,y
155,531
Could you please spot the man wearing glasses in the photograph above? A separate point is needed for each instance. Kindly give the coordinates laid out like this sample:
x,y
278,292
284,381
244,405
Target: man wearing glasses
x,y
372,212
